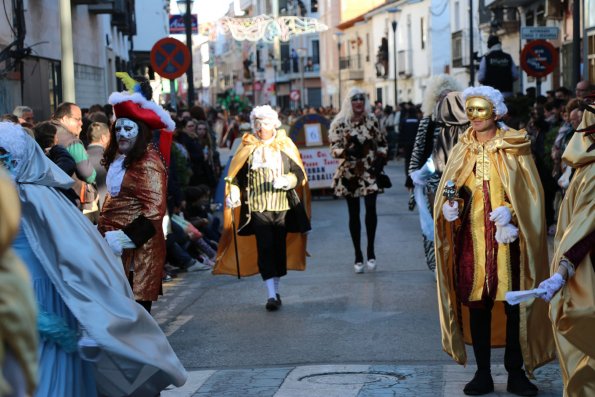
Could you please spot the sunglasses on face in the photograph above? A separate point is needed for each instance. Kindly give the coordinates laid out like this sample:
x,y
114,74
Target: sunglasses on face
x,y
190,125
358,97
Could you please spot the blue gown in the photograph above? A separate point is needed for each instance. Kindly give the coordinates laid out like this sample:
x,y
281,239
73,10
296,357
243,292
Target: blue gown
x,y
60,373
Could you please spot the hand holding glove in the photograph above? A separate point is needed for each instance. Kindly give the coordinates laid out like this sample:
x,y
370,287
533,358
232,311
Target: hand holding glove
x,y
281,182
501,216
354,149
451,212
551,286
233,199
506,234
118,240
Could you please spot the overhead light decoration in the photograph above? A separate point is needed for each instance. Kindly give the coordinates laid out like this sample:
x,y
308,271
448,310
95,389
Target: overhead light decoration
x,y
266,28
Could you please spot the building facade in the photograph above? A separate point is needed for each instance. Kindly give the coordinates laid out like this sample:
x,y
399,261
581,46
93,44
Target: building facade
x,y
30,65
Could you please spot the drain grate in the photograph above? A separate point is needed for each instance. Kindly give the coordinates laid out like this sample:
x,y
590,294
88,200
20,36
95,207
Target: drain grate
x,y
354,377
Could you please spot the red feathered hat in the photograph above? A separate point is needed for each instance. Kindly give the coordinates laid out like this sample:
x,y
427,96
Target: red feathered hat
x,y
135,106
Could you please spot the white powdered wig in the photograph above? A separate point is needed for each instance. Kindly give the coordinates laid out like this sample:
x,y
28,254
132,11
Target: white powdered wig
x,y
442,83
491,94
264,112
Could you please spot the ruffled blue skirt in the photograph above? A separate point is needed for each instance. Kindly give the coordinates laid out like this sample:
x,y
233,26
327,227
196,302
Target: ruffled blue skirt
x,y
61,370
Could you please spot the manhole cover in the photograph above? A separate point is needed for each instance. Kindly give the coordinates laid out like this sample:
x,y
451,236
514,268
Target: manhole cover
x,y
355,378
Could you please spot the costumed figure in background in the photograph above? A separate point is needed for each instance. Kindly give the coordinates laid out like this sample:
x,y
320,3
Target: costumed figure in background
x,y
131,217
94,338
489,241
267,191
421,166
356,138
572,310
18,312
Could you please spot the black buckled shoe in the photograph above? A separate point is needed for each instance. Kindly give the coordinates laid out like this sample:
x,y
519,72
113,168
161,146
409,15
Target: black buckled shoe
x,y
519,384
482,383
272,304
279,299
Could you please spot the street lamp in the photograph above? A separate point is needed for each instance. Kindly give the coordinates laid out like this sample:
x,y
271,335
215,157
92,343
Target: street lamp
x,y
394,26
185,7
302,56
338,36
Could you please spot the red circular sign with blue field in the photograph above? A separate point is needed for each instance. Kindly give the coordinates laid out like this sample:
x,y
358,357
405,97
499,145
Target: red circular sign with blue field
x,y
170,58
539,58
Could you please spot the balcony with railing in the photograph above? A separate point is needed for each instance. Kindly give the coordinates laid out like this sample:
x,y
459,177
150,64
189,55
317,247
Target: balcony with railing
x,y
289,68
351,67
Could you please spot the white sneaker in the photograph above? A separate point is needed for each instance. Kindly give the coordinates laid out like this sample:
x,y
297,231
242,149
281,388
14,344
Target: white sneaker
x,y
359,268
371,264
198,266
207,261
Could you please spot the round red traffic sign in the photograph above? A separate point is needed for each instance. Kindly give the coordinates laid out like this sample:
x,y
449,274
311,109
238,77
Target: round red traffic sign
x,y
294,95
539,58
170,58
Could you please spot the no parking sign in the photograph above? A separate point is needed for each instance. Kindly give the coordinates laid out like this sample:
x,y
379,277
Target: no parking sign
x,y
539,58
170,58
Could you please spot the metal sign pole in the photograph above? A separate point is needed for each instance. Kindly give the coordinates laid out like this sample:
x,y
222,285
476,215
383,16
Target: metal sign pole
x,y
172,95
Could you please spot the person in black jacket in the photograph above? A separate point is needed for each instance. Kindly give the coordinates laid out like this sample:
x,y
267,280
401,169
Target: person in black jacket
x,y
45,136
497,69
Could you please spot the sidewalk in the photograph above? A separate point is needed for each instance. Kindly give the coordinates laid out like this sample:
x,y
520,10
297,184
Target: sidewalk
x,y
352,381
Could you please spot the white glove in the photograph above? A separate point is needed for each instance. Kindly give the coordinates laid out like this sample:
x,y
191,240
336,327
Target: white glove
x,y
450,212
501,216
233,199
281,182
551,286
118,240
506,234
564,180
420,177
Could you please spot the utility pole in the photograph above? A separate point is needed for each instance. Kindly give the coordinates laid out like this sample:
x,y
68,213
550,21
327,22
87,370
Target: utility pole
x,y
576,42
67,63
190,71
471,51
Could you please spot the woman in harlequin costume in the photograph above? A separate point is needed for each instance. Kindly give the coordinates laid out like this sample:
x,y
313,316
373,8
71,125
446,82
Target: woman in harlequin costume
x,y
94,337
132,215
268,192
571,287
489,241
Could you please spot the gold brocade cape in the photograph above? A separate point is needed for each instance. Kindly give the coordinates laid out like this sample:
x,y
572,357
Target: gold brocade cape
x,y
572,310
296,242
510,152
18,312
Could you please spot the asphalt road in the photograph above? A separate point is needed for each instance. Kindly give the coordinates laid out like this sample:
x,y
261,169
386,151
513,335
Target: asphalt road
x,y
330,315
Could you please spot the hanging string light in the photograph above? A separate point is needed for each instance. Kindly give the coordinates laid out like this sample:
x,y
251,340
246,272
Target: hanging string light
x,y
266,28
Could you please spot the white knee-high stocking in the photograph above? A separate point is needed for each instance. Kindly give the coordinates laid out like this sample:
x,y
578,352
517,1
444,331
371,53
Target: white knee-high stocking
x,y
270,283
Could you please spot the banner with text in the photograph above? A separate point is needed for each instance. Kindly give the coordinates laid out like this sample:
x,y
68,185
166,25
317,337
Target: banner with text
x,y
177,26
320,166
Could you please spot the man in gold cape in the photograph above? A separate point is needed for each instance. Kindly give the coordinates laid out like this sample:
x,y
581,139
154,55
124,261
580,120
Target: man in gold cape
x,y
296,218
572,310
497,244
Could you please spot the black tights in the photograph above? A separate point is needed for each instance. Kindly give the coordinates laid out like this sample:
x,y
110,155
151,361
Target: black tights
x,y
353,205
480,321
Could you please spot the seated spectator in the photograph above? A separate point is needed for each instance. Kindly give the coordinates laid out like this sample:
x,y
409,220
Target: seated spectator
x,y
45,136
